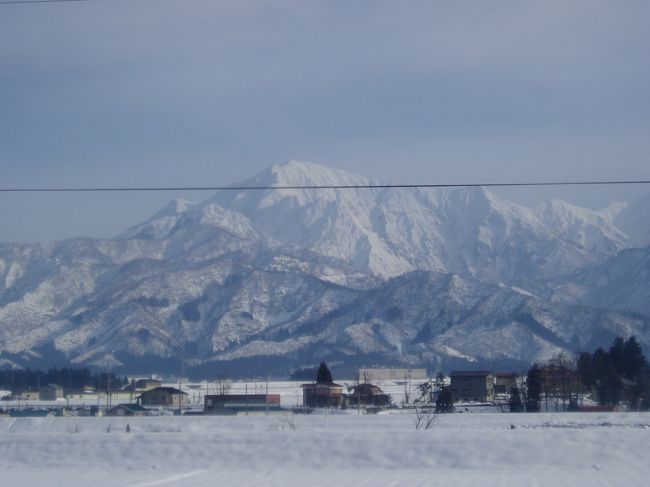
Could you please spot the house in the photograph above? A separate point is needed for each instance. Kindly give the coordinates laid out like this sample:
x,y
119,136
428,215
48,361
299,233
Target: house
x,y
367,395
475,385
163,396
127,410
322,395
243,404
505,381
50,392
374,375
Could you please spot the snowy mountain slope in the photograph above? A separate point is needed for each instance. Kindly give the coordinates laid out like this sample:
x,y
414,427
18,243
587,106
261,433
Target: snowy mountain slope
x,y
161,223
251,307
424,318
588,229
634,220
41,280
620,283
331,222
194,312
155,305
387,232
297,273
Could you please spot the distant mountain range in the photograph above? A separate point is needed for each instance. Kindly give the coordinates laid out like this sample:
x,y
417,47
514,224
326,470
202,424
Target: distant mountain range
x,y
284,278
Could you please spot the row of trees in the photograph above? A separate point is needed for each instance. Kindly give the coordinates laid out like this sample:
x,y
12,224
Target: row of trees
x,y
619,374
69,378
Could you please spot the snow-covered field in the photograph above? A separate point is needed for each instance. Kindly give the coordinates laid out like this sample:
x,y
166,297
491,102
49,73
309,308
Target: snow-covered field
x,y
333,450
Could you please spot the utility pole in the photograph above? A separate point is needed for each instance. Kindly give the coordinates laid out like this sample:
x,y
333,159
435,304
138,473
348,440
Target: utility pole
x,y
358,397
108,390
267,395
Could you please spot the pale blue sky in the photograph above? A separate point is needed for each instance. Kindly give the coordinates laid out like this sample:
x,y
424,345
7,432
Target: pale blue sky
x,y
166,92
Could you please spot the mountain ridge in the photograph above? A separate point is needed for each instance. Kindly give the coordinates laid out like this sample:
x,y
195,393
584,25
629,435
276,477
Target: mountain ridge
x,y
405,277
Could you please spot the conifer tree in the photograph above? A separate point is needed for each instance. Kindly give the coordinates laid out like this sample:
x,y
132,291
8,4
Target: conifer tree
x,y
515,403
534,383
633,359
324,375
445,402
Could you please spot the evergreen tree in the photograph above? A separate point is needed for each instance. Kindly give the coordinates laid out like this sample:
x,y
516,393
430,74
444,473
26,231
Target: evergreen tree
x,y
445,402
610,387
324,375
534,383
633,359
586,370
617,355
515,403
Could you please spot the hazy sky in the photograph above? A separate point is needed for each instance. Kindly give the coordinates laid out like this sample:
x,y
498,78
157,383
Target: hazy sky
x,y
167,92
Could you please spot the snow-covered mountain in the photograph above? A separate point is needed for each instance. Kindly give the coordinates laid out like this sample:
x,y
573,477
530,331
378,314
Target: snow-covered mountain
x,y
388,232
620,283
375,275
634,220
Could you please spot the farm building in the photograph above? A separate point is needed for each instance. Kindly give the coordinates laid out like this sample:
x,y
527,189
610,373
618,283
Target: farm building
x,y
474,385
163,396
243,404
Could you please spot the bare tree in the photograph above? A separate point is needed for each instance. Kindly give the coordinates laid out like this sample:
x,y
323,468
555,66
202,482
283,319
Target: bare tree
x,y
223,385
425,418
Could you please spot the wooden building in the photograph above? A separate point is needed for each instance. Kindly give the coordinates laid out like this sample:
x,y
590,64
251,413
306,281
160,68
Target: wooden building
x,y
473,385
163,396
322,395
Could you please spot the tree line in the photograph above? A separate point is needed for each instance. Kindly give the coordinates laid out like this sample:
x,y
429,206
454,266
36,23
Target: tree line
x,y
618,375
20,380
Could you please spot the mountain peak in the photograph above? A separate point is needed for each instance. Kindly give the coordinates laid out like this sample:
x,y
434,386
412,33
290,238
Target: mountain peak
x,y
300,173
174,207
159,225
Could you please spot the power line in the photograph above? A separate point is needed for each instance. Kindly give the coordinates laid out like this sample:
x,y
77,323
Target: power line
x,y
316,187
15,2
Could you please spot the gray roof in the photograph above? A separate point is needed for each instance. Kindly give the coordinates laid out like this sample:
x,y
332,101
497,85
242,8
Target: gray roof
x,y
131,407
170,390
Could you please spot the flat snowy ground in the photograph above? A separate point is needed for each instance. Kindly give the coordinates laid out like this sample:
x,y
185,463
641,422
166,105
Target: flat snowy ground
x,y
335,450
